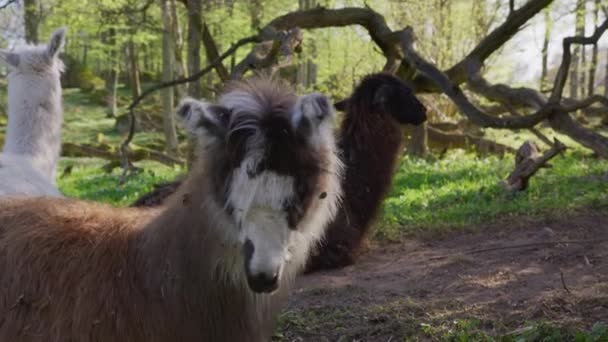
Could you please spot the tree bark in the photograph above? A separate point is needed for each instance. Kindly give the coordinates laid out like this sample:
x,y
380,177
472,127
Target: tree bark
x,y
178,48
111,74
31,20
578,31
545,50
133,69
594,53
195,22
418,144
167,94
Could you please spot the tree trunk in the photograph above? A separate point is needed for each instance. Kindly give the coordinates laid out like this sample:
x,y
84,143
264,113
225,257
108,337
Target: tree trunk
x,y
111,75
418,144
575,66
31,18
133,69
593,66
178,47
255,11
167,93
195,22
545,51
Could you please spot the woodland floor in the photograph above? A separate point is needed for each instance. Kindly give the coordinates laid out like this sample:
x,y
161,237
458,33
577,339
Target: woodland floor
x,y
430,289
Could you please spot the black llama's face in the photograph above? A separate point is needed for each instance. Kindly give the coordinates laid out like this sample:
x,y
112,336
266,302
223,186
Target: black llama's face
x,y
277,148
387,94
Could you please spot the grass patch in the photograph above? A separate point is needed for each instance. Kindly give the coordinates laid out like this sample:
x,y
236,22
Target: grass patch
x,y
86,180
462,190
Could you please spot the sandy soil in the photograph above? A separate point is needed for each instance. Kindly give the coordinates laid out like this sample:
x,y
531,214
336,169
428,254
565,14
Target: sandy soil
x,y
503,275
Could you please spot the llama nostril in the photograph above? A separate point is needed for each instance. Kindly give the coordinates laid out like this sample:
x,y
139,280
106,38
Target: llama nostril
x,y
263,282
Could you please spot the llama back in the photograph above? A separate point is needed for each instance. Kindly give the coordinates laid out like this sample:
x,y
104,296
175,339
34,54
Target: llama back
x,y
57,246
52,248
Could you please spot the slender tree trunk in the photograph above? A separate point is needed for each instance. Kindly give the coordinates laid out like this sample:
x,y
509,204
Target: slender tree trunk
x,y
545,51
178,48
111,74
593,66
133,69
195,22
31,20
167,93
606,75
575,66
255,11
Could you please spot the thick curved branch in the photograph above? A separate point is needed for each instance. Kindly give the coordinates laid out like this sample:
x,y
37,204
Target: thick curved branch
x,y
492,42
321,17
452,90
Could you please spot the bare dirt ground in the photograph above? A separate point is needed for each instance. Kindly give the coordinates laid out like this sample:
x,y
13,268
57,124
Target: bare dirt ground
x,y
557,274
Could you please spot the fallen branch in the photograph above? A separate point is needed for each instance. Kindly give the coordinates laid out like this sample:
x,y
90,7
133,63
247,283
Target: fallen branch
x,y
528,162
441,139
108,152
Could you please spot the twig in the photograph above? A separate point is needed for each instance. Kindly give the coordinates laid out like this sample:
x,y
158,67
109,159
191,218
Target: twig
x,y
125,144
525,245
561,274
533,244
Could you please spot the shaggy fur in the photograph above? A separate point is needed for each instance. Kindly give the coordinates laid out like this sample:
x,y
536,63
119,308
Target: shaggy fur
x,y
79,271
35,116
370,139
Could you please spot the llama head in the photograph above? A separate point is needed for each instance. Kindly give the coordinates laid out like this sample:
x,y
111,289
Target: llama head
x,y
274,164
37,61
385,94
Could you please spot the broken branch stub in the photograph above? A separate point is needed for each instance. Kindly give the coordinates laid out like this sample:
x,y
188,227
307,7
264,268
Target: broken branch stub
x,y
528,161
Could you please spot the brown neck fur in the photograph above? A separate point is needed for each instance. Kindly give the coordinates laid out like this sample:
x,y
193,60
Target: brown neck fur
x,y
170,279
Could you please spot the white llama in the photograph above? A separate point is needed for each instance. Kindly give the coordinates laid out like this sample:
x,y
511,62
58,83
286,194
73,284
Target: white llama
x,y
35,115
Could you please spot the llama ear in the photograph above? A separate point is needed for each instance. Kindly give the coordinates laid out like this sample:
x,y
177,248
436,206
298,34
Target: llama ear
x,y
341,105
10,58
200,117
56,42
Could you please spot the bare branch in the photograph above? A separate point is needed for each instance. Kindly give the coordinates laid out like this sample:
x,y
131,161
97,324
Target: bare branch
x,y
452,90
212,52
492,42
266,55
562,72
125,144
7,3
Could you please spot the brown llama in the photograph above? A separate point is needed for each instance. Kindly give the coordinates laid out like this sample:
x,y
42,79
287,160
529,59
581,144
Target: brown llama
x,y
370,139
214,263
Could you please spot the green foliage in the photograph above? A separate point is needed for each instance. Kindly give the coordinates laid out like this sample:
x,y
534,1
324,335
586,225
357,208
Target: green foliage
x,y
86,180
88,82
462,189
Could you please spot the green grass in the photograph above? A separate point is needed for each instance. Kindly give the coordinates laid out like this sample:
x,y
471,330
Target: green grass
x,y
86,180
462,190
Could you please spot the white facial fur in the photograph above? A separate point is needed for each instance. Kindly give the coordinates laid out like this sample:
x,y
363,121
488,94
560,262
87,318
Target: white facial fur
x,y
258,202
